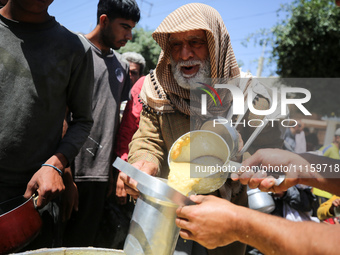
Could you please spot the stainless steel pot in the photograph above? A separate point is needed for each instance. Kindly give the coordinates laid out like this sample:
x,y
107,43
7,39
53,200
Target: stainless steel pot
x,y
152,229
73,251
260,201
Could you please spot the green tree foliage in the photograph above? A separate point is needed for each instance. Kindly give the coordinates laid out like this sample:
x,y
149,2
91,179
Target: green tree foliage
x,y
143,43
306,44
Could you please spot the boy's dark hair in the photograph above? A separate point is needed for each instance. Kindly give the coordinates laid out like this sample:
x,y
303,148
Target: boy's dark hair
x,y
126,9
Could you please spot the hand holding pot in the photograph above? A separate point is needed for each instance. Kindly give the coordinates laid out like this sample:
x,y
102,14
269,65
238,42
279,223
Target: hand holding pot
x,y
130,184
199,222
47,181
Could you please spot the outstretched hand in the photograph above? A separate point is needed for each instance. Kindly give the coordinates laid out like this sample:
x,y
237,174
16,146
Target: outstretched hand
x,y
280,161
202,222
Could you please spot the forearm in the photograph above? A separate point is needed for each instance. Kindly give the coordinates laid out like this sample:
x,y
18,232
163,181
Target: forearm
x,y
275,235
79,103
323,180
58,160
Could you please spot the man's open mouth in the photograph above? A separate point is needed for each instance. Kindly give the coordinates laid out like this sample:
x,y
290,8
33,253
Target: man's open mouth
x,y
189,71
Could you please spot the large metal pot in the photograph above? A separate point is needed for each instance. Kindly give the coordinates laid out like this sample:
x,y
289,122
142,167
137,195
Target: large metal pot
x,y
152,229
20,223
73,251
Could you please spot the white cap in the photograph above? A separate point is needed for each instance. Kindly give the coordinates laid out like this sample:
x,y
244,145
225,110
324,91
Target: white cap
x,y
337,132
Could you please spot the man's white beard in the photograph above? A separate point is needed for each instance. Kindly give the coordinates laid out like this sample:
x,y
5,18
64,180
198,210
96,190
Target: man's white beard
x,y
190,81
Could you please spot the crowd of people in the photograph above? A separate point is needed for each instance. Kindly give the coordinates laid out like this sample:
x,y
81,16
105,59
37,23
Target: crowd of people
x,y
60,96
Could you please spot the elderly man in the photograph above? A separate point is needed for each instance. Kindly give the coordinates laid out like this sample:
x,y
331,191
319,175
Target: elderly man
x,y
136,63
195,46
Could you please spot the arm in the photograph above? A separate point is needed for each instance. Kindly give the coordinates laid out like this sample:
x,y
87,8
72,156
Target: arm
x,y
269,234
300,171
130,185
146,150
47,181
79,103
328,181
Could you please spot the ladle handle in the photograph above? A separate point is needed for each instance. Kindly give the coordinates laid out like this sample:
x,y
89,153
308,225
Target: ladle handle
x,y
238,165
253,137
35,200
279,180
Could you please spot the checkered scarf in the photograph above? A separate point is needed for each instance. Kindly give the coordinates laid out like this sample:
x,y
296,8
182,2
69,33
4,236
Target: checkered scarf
x,y
160,91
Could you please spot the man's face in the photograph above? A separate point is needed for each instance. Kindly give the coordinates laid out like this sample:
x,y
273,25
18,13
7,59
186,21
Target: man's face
x,y
117,32
337,139
134,72
189,57
33,6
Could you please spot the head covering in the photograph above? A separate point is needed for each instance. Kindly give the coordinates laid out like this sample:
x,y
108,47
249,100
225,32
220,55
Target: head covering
x,y
337,132
160,90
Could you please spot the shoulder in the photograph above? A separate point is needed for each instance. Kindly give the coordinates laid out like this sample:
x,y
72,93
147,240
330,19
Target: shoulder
x,y
72,39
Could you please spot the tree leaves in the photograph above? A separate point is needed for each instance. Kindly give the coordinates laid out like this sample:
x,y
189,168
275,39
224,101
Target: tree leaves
x,y
307,44
143,43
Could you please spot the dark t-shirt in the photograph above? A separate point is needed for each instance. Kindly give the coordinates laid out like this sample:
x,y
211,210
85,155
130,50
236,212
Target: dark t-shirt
x,y
111,87
43,68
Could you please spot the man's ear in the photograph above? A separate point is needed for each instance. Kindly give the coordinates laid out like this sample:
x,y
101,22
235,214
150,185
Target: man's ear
x,y
104,20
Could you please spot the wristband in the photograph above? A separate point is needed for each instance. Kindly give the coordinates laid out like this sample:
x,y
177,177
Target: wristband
x,y
55,168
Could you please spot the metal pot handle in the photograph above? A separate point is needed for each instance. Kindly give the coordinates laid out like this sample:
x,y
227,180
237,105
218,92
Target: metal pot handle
x,y
35,200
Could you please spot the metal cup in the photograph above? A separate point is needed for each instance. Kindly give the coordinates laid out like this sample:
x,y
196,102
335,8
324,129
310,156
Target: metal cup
x,y
227,132
204,148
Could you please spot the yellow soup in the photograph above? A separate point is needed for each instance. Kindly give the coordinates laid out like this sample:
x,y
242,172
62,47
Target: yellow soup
x,y
179,177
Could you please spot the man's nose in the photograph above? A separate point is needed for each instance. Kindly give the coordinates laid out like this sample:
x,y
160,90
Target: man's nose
x,y
128,36
186,52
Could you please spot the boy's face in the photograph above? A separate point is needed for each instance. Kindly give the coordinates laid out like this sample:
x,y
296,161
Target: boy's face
x,y
33,6
117,32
